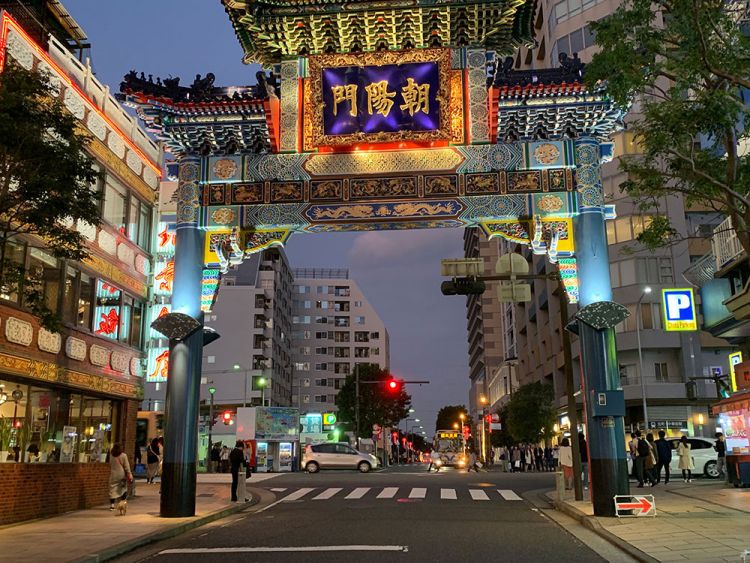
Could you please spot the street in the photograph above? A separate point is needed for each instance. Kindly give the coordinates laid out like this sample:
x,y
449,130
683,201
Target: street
x,y
400,514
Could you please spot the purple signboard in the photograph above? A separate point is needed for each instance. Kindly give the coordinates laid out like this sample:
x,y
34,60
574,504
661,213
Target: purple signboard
x,y
381,99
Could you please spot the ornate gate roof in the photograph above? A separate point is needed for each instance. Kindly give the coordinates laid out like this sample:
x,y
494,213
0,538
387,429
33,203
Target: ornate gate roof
x,y
272,30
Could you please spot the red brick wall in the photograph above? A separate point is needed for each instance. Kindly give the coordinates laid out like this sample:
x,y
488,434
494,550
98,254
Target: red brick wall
x,y
128,421
36,490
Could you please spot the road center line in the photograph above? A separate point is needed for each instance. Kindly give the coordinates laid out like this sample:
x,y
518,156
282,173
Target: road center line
x,y
359,492
418,492
308,548
508,494
388,492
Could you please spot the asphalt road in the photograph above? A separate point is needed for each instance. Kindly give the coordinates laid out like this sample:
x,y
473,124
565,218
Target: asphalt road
x,y
399,515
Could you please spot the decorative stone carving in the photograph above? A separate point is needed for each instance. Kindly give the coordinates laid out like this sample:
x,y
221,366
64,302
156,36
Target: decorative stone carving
x,y
74,103
96,125
125,253
150,177
20,50
119,361
49,341
87,230
115,144
142,264
98,355
19,332
52,76
136,367
75,348
134,162
107,242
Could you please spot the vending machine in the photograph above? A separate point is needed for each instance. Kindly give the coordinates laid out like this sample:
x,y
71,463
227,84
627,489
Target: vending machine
x,y
286,456
261,457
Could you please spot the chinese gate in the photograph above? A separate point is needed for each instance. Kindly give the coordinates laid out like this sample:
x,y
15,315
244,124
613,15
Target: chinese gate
x,y
404,117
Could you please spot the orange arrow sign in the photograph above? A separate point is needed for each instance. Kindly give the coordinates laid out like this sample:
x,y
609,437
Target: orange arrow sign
x,y
642,504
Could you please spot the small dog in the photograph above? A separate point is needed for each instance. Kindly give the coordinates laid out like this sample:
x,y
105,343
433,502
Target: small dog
x,y
122,507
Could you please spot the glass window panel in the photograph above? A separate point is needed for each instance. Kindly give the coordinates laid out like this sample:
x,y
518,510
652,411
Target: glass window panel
x,y
647,322
134,216
14,253
611,236
574,7
125,318
44,269
13,409
107,311
627,272
115,199
85,296
589,36
576,41
69,306
144,227
622,228
561,11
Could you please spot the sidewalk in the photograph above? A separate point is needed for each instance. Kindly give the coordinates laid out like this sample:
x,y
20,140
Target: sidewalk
x,y
699,521
98,534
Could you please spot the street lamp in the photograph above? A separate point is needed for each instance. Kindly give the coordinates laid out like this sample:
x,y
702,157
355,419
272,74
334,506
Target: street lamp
x,y
638,321
262,384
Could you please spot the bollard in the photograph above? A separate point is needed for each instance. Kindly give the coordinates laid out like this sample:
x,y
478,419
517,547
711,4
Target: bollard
x,y
560,485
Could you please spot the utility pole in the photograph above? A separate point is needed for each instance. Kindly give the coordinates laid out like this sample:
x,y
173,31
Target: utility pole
x,y
356,405
211,391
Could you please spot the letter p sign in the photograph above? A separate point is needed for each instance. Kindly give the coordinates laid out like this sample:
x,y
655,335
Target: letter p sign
x,y
679,310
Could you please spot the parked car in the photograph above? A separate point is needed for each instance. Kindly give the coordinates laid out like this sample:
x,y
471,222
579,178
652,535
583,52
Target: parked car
x,y
331,455
704,457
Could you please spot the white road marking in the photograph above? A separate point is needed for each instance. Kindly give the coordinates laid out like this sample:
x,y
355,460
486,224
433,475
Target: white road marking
x,y
418,493
277,490
298,494
359,492
388,492
328,493
508,494
478,494
308,548
448,494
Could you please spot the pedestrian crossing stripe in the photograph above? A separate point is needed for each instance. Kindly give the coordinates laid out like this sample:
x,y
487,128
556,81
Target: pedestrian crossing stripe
x,y
391,492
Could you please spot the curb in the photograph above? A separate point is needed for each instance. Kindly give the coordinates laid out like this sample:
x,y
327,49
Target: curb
x,y
684,495
595,526
141,541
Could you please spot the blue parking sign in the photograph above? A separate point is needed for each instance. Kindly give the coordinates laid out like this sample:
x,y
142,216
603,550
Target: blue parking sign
x,y
679,309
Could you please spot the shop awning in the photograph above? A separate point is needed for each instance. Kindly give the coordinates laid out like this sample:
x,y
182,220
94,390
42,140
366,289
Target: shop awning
x,y
738,401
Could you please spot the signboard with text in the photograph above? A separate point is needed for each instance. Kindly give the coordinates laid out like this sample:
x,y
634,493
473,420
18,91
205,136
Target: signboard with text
x,y
679,310
380,97
735,359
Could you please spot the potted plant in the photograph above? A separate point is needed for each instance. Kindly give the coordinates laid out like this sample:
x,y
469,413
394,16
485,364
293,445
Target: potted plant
x,y
6,427
47,438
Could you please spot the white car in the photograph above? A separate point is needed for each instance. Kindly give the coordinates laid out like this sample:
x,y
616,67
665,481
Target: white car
x,y
332,455
704,457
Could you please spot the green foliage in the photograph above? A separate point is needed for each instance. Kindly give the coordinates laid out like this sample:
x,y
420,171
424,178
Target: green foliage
x,y
6,428
530,414
449,415
502,438
377,405
686,62
45,181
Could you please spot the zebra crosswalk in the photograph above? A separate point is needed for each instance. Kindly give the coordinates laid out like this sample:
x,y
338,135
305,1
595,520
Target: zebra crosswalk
x,y
389,493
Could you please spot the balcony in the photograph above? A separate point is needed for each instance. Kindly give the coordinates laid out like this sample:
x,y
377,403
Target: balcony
x,y
725,244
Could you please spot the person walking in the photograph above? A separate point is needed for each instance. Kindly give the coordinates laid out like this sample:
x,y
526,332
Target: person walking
x,y
515,461
434,461
566,462
238,467
685,462
119,475
491,457
663,457
632,447
224,460
584,454
721,456
548,465
153,457
651,460
642,452
472,462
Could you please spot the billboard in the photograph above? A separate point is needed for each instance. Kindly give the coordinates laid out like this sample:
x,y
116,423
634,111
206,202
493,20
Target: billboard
x,y
679,310
276,423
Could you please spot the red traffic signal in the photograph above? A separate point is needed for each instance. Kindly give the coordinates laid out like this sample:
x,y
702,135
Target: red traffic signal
x,y
393,385
227,417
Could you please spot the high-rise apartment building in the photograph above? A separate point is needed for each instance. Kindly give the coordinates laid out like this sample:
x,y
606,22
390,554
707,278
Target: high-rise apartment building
x,y
667,359
335,328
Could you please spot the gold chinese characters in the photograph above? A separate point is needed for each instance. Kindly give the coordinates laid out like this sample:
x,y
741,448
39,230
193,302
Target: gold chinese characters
x,y
416,98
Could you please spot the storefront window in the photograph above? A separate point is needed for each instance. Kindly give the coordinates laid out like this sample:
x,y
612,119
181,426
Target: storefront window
x,y
14,431
107,311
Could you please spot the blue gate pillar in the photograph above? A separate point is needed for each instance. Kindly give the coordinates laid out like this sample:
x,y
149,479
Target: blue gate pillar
x,y
599,368
183,383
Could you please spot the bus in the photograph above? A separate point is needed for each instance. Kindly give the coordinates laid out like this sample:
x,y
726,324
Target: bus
x,y
451,446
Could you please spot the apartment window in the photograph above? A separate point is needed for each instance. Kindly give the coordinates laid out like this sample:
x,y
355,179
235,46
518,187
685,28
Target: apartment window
x,y
374,351
210,359
359,320
322,289
341,306
341,352
321,304
361,336
576,41
341,336
342,321
660,371
139,223
342,291
357,303
303,289
115,203
307,304
341,368
628,374
570,8
305,350
374,335
321,351
338,383
321,320
302,366
361,352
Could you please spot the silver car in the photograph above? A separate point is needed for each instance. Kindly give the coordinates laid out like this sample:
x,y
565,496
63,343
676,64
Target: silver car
x,y
336,456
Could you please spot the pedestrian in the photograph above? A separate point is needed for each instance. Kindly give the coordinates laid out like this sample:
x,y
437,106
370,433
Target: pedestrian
x,y
515,459
538,456
548,461
663,457
119,477
642,452
651,460
473,462
632,447
492,457
153,457
721,456
583,451
529,458
434,461
566,462
137,457
224,459
215,457
238,466
686,460
555,457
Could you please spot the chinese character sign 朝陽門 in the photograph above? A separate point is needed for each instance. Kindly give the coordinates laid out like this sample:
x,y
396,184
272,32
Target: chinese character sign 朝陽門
x,y
376,99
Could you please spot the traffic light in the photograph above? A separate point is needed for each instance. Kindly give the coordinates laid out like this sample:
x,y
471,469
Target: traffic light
x,y
463,286
394,437
393,385
227,418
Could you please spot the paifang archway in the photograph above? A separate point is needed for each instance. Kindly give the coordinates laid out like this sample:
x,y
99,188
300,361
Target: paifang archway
x,y
372,118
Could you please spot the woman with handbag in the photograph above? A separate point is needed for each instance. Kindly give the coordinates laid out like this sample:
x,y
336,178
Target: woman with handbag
x,y
119,475
153,456
686,460
651,460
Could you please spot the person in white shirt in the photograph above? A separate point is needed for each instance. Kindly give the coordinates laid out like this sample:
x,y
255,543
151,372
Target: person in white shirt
x,y
434,461
566,462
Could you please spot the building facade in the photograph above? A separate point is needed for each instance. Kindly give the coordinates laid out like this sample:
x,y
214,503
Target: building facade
x,y
335,328
66,397
669,359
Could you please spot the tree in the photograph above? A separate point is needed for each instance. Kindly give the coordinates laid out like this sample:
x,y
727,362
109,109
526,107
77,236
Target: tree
x,y
449,415
530,413
688,64
377,405
45,183
502,438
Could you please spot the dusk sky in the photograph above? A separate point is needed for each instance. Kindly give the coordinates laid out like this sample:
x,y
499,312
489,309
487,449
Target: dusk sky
x,y
399,272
